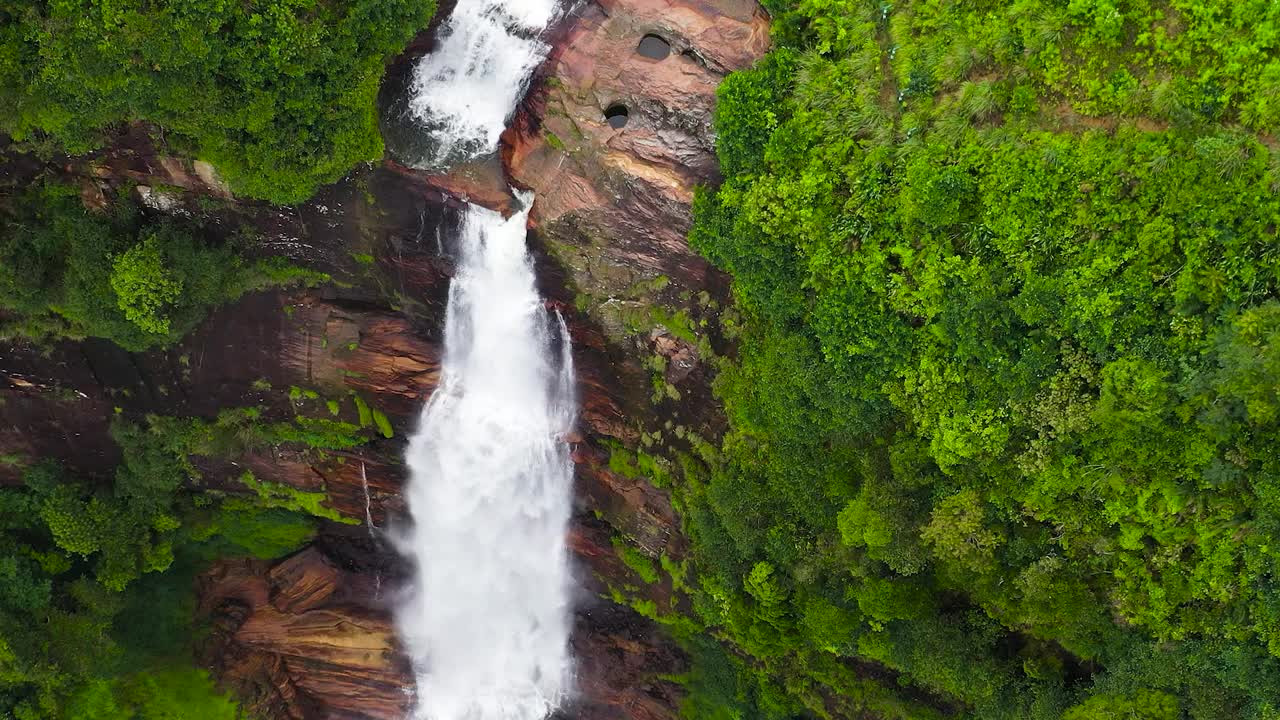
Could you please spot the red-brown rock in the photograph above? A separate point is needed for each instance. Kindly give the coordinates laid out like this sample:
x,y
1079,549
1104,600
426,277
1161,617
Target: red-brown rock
x,y
290,652
303,582
627,192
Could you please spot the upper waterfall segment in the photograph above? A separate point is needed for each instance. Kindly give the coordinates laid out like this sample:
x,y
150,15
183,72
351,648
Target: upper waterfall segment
x,y
466,89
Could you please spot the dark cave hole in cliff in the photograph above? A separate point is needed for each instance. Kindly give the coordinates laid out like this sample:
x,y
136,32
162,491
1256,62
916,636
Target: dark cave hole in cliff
x,y
617,115
654,47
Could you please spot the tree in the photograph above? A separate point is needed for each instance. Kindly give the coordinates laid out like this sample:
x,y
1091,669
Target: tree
x,y
958,533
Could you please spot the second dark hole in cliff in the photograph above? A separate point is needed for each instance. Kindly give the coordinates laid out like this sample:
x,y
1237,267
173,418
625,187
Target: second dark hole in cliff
x,y
654,47
616,115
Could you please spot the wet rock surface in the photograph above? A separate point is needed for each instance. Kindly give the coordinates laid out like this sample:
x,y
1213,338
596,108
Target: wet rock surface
x,y
616,200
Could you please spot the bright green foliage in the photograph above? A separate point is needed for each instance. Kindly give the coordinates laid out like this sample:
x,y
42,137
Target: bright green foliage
x,y
1177,61
1005,408
633,558
138,281
278,94
160,695
241,527
320,433
1143,705
236,431
957,533
276,495
144,287
383,423
362,407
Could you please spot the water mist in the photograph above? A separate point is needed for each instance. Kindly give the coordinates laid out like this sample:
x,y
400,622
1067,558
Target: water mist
x,y
465,90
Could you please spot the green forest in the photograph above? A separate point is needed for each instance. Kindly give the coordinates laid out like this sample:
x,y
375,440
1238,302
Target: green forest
x,y
1005,409
1003,393
280,95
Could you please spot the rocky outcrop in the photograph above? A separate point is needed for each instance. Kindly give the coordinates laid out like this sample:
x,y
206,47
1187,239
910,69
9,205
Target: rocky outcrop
x,y
311,637
61,400
295,646
615,202
362,350
133,158
305,640
621,667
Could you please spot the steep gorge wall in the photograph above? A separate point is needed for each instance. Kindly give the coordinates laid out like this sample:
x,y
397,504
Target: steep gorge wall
x,y
310,636
614,204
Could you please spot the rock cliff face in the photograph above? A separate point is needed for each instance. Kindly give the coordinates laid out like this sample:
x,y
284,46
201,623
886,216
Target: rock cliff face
x,y
300,639
614,206
616,201
310,636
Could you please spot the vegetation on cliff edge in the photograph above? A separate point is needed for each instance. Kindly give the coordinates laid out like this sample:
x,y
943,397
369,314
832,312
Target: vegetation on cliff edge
x,y
279,95
97,603
137,279
1005,410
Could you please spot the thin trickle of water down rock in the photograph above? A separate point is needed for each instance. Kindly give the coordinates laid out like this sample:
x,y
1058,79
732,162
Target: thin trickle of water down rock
x,y
487,621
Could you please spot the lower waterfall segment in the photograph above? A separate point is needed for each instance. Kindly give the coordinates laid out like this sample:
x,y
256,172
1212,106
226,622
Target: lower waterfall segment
x,y
487,625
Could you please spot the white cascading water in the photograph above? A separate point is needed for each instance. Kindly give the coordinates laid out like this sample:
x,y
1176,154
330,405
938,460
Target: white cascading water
x,y
465,90
488,624
487,620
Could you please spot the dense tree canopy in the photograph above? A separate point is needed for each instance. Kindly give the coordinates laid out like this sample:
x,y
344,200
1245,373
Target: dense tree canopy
x,y
1005,411
96,578
139,280
278,94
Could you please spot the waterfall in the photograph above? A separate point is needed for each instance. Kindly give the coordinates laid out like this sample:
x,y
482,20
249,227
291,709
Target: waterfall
x,y
465,90
488,624
487,621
